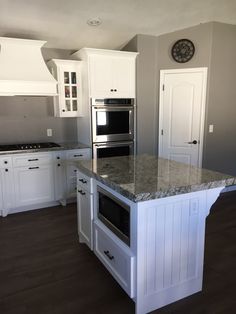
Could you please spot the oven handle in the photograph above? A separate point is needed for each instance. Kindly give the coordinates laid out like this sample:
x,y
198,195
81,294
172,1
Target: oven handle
x,y
108,108
115,144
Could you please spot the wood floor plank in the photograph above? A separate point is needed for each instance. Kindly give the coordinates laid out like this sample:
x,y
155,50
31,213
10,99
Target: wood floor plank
x,y
45,270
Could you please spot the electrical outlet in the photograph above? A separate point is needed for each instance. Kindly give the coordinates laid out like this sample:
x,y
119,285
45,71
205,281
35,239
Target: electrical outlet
x,y
49,132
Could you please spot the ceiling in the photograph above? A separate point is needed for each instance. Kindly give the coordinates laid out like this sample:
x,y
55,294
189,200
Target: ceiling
x,y
63,23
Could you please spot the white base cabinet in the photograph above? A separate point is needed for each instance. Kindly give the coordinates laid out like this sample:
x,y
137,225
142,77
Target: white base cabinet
x,y
71,169
59,176
34,184
115,256
7,195
36,180
85,209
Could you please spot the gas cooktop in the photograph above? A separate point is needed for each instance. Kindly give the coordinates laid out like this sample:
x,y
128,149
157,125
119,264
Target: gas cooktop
x,y
26,146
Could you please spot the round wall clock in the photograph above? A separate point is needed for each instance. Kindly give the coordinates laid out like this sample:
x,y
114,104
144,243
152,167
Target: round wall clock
x,y
182,50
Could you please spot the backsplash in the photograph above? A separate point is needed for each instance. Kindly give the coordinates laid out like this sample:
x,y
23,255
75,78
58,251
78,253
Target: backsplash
x,y
26,119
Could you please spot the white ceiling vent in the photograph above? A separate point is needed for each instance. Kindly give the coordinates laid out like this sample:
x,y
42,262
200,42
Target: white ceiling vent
x,y
23,70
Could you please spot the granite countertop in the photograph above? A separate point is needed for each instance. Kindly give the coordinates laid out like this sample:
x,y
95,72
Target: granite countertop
x,y
63,146
146,177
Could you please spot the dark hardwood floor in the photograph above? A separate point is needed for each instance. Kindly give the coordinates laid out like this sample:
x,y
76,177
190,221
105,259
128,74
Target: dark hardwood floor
x,y
44,269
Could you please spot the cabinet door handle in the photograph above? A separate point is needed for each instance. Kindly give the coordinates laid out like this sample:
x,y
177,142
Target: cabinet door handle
x,y
81,192
34,159
5,162
107,253
112,90
115,90
6,170
78,155
31,168
83,181
58,165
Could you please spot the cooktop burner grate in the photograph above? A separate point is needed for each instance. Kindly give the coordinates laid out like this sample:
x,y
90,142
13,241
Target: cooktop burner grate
x,y
26,146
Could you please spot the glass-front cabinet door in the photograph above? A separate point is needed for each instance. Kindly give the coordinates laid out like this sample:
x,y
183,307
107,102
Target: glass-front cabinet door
x,y
68,103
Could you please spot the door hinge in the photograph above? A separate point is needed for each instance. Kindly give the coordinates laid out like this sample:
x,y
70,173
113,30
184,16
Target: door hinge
x,y
163,87
162,132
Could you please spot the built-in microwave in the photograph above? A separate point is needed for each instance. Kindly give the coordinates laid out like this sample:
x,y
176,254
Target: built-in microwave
x,y
114,213
112,120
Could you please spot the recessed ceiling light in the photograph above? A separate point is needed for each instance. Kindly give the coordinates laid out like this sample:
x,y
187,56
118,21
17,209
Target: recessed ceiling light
x,y
94,21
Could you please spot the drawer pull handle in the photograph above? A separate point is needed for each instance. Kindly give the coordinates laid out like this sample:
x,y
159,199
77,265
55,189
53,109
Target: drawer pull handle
x,y
81,192
107,253
58,165
5,162
83,181
6,170
34,159
31,168
79,155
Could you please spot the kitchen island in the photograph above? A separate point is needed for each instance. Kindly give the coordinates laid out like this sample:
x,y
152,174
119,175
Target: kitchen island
x,y
159,257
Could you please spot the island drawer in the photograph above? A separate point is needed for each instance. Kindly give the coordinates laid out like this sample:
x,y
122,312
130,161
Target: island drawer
x,y
118,259
84,182
32,159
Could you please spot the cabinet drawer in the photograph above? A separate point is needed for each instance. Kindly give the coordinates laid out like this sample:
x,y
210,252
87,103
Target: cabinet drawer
x,y
115,257
77,154
84,182
5,162
32,159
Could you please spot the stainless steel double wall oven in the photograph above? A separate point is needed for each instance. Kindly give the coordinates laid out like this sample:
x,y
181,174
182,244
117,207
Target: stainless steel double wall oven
x,y
113,127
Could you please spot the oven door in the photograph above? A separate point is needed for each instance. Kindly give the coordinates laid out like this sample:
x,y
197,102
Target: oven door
x,y
112,123
113,149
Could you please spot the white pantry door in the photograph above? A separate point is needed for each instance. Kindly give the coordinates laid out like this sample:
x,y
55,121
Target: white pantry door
x,y
181,114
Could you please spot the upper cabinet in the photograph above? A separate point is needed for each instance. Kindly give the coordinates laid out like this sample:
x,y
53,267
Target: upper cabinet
x,y
110,73
68,102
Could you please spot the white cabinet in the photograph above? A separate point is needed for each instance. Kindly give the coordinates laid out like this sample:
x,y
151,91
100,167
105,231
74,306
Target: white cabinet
x,y
115,256
59,176
33,178
68,103
85,209
110,73
71,157
7,197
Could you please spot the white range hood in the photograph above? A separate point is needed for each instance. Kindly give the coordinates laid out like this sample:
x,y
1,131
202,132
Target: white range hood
x,y
23,70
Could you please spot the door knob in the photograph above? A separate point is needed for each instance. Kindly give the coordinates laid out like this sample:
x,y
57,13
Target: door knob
x,y
193,142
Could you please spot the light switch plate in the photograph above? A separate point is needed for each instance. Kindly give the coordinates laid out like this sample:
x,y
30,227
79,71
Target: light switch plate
x,y
49,132
211,127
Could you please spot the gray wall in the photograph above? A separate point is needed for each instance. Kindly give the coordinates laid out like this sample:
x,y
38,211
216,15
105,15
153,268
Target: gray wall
x,y
25,119
215,45
220,148
146,92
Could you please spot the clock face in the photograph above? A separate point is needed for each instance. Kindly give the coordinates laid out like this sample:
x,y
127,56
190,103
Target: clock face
x,y
182,50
